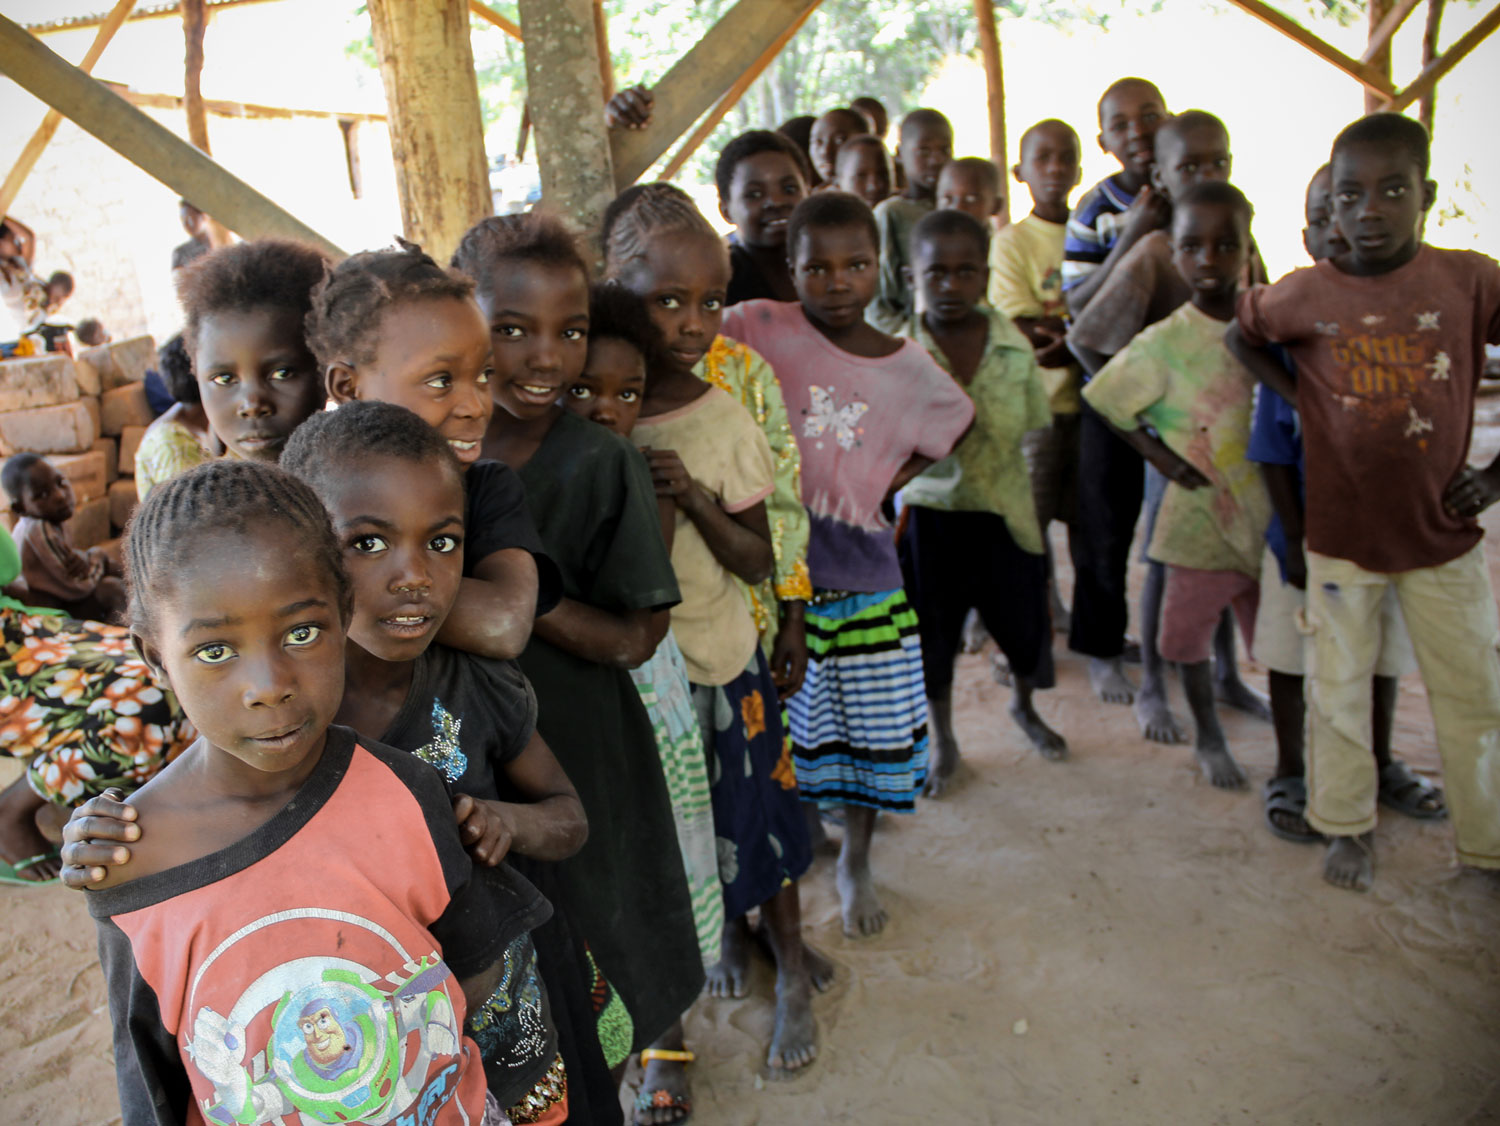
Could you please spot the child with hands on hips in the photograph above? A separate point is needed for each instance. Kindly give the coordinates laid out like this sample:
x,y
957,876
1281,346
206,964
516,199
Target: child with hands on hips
x,y
248,856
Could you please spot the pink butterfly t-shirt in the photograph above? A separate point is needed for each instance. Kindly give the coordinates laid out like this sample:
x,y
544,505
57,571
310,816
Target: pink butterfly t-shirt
x,y
856,420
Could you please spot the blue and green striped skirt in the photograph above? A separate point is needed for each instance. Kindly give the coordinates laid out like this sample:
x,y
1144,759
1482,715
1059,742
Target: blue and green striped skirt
x,y
859,723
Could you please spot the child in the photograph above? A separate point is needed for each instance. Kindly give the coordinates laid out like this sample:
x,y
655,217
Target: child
x,y
290,973
84,583
761,177
926,145
1276,444
246,306
972,185
1026,285
1387,342
394,326
91,332
864,169
180,437
1119,210
829,133
798,130
874,412
874,112
591,496
1178,378
59,289
972,540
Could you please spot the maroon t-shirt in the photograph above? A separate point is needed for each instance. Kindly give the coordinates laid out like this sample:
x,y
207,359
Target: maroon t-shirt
x,y
1387,368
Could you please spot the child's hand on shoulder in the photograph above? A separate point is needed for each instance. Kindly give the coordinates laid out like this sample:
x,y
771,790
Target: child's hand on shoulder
x,y
484,827
1472,491
92,839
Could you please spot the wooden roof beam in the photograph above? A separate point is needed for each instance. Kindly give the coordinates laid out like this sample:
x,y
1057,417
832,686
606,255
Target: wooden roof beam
x,y
146,143
1362,73
142,12
700,78
490,16
1381,34
1434,71
221,108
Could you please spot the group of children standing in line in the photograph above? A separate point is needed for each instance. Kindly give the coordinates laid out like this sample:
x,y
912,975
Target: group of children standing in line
x,y
618,559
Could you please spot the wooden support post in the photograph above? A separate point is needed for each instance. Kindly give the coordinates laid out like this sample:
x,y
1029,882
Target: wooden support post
x,y
994,81
1378,55
194,24
698,79
606,61
490,16
437,130
1381,32
1427,105
565,93
1427,81
735,93
349,127
52,119
145,142
1360,72
525,134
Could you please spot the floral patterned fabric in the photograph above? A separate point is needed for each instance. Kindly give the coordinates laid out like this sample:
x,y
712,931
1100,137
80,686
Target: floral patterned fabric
x,y
82,708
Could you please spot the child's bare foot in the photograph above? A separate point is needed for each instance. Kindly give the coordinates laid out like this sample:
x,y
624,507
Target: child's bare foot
x,y
1218,765
730,975
1350,862
863,914
1062,621
820,968
974,635
1109,681
1233,692
1155,718
20,838
794,1043
942,745
1048,743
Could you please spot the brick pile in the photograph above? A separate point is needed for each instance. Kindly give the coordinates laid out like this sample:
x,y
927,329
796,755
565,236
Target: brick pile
x,y
87,417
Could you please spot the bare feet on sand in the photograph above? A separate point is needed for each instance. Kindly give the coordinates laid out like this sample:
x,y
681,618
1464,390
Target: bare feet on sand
x,y
942,746
1048,743
1218,765
1234,693
1109,682
730,975
863,914
1155,718
820,968
1350,862
20,837
794,1042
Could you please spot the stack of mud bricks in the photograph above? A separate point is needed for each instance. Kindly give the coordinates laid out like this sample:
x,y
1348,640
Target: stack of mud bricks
x,y
87,417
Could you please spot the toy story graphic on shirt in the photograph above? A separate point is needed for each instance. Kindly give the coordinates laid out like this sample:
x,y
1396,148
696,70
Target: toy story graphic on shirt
x,y
369,1036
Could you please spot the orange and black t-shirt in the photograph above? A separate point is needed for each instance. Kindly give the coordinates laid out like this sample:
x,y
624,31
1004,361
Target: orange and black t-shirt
x,y
309,973
1387,369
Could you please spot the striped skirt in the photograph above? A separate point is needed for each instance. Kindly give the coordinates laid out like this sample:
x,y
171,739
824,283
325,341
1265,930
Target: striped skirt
x,y
859,723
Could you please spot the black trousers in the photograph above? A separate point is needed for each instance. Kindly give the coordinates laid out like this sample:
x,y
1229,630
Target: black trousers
x,y
954,562
1111,483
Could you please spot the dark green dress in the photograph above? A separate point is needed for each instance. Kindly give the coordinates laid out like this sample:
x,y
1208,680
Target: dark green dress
x,y
590,494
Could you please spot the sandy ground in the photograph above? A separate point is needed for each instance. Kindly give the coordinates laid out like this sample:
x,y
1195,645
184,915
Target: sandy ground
x,y
1107,940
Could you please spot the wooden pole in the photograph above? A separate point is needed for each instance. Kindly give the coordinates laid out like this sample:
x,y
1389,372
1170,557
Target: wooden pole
x,y
564,88
700,78
1378,55
194,24
489,15
1368,77
1427,105
1433,72
1381,33
606,62
994,81
437,130
52,119
736,92
525,133
145,142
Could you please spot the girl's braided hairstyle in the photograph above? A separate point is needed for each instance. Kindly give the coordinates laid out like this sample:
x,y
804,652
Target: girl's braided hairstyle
x,y
239,496
644,210
532,236
324,449
347,306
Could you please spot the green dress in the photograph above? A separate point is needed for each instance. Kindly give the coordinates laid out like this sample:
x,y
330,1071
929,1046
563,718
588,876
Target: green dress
x,y
590,494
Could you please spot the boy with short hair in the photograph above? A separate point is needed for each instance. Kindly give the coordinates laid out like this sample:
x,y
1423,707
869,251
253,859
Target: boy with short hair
x,y
864,169
926,145
1121,209
829,133
1026,285
1387,340
1276,445
1178,378
972,185
85,584
874,112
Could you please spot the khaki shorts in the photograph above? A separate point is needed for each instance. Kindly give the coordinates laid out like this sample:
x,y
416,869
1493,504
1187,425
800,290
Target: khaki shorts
x,y
1281,628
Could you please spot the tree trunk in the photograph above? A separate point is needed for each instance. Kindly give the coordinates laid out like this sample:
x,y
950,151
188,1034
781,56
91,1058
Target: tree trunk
x,y
994,81
1429,52
437,130
1380,62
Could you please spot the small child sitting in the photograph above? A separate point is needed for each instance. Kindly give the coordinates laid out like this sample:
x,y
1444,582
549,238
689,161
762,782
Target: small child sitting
x,y
864,169
926,146
84,583
974,186
1178,378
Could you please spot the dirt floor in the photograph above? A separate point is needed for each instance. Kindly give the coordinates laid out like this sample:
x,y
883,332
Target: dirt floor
x,y
1106,940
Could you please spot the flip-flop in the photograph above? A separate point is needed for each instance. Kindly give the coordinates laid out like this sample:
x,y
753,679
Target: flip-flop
x,y
1404,790
1288,795
10,874
660,1098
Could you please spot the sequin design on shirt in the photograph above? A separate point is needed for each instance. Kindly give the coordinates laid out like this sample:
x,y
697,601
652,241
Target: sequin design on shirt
x,y
826,415
443,751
